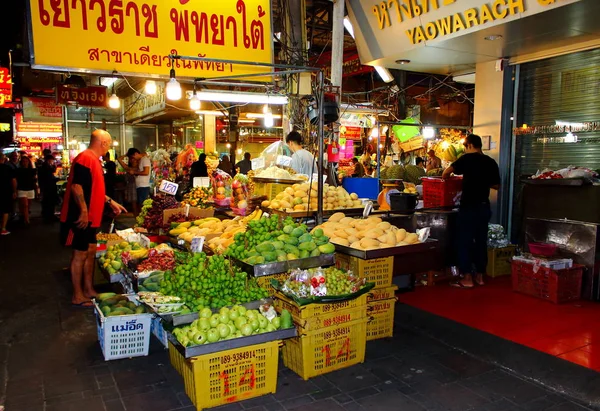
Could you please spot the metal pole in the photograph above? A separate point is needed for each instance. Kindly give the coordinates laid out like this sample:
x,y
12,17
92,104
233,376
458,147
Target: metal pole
x,y
320,136
245,63
243,76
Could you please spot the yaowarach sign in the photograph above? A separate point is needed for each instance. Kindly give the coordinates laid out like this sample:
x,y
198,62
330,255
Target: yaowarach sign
x,y
136,37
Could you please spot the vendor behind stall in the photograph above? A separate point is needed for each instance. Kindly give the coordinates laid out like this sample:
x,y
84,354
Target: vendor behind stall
x,y
303,161
480,174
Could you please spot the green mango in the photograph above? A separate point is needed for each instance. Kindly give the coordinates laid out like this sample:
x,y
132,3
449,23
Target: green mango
x,y
283,237
131,305
297,232
307,246
315,253
318,232
251,260
305,238
290,249
140,309
327,248
270,256
111,300
262,247
153,287
292,241
280,252
278,245
105,296
116,265
304,254
322,240
282,258
105,310
253,253
260,259
292,256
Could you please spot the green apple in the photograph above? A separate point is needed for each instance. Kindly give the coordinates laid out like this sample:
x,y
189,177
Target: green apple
x,y
200,338
213,335
254,323
242,310
204,324
238,334
270,328
224,317
224,310
233,314
224,330
232,328
205,313
214,320
240,322
251,314
262,321
276,322
247,330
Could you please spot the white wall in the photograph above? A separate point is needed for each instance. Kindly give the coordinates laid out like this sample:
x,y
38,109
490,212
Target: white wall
x,y
488,111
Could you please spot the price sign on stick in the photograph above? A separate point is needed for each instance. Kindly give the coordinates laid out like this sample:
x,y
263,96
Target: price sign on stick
x,y
168,187
197,244
258,163
144,241
284,161
201,182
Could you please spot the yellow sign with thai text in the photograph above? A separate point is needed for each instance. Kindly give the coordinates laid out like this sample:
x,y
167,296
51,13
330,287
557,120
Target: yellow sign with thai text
x,y
136,37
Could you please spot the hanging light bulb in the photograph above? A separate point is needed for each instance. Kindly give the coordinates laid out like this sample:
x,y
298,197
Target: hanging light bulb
x,y
265,108
173,88
113,101
239,151
269,120
195,101
150,87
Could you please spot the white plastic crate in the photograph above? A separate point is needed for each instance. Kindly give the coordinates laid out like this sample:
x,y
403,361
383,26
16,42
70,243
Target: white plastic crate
x,y
159,331
123,336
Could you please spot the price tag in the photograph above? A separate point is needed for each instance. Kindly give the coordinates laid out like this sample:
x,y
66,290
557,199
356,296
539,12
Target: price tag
x,y
197,244
258,163
187,210
168,187
283,161
201,182
144,241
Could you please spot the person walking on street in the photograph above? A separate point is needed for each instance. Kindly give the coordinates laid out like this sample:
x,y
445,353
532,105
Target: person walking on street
x,y
142,175
303,161
480,174
81,215
8,192
47,183
244,165
26,187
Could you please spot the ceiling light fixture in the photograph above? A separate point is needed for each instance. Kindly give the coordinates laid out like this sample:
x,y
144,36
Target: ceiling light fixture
x,y
402,61
493,37
241,97
348,26
385,74
150,87
173,88
113,101
108,81
194,100
215,113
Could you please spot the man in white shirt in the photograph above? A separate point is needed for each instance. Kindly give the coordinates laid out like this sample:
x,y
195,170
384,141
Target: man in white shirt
x,y
142,174
303,161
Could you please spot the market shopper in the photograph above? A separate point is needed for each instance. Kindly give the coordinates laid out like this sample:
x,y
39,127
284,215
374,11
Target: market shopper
x,y
433,161
199,168
480,174
82,215
110,175
130,189
142,174
47,182
225,165
303,161
26,186
8,192
245,165
359,169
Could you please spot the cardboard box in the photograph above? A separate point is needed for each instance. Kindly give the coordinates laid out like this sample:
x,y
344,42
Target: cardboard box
x,y
196,212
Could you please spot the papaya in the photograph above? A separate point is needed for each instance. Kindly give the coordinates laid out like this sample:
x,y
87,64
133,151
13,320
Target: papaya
x,y
104,296
305,238
286,319
327,248
262,247
310,246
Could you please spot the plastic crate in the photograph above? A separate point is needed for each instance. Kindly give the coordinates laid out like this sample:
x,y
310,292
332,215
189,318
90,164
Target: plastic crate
x,y
377,270
265,281
439,192
381,318
329,349
159,331
317,316
558,286
499,260
123,336
382,293
228,376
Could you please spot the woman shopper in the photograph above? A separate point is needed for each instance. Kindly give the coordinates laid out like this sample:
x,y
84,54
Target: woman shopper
x,y
26,186
130,188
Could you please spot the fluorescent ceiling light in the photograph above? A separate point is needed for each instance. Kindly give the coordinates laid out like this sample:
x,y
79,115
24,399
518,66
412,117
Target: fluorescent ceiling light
x,y
241,97
348,25
242,121
385,74
108,81
215,113
261,115
468,78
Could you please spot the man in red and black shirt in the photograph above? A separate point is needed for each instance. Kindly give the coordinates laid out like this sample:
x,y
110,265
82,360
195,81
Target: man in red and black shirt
x,y
81,214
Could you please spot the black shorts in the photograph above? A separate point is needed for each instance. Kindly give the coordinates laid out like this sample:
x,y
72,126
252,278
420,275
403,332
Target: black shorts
x,y
6,204
78,238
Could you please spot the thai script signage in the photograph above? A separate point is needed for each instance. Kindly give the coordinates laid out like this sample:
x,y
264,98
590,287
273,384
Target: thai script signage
x,y
137,37
91,96
41,110
141,105
5,86
386,28
558,128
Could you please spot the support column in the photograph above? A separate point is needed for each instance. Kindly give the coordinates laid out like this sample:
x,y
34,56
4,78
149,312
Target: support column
x,y
210,133
337,44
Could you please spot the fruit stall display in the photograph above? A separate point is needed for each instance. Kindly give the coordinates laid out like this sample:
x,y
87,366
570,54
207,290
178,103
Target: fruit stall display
x,y
113,261
198,197
304,197
151,217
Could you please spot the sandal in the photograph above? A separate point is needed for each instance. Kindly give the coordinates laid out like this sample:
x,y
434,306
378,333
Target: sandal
x,y
459,284
83,304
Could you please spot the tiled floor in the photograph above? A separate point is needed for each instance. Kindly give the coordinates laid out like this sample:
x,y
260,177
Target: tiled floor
x,y
570,331
50,360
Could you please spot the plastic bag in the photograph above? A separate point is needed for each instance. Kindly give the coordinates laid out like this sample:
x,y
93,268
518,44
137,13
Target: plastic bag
x,y
221,182
239,194
496,236
270,154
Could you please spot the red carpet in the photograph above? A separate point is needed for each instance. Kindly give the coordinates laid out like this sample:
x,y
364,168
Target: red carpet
x,y
569,331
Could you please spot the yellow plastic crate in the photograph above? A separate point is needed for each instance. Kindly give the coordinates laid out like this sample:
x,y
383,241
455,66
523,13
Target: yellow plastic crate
x,y
378,270
329,349
229,376
316,316
265,281
499,260
381,318
382,293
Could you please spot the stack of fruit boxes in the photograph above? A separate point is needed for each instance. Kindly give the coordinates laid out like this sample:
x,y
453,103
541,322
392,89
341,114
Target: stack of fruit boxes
x,y
381,300
331,336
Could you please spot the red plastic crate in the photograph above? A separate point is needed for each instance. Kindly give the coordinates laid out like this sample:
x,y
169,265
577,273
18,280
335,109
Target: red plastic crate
x,y
439,192
558,286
